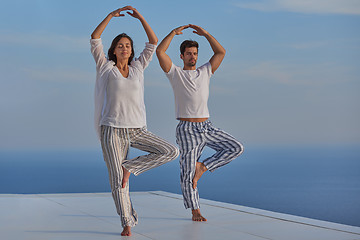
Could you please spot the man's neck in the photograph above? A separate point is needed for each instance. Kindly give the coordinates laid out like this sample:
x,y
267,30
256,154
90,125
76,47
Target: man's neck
x,y
189,67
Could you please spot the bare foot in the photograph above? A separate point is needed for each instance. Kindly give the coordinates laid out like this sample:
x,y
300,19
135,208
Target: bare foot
x,y
200,169
197,217
126,176
126,231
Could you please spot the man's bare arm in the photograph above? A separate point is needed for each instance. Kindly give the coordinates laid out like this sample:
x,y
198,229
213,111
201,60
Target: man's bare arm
x,y
164,60
219,51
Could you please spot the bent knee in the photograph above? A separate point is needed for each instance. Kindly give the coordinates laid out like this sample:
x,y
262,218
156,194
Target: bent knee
x,y
171,152
238,149
176,152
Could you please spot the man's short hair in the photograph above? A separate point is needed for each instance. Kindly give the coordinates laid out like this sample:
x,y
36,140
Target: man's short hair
x,y
188,44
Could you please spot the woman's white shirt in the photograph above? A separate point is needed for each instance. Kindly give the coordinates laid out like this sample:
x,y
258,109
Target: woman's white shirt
x,y
119,101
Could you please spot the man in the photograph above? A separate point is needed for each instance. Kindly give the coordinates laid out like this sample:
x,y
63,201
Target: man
x,y
195,131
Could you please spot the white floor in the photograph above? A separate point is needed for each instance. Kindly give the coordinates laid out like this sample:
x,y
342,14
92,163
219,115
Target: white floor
x,y
162,216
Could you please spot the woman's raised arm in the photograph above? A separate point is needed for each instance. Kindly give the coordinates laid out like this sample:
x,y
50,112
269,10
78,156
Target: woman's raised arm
x,y
149,32
101,27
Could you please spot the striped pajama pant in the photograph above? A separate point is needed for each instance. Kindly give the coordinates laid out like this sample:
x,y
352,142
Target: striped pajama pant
x,y
192,137
115,143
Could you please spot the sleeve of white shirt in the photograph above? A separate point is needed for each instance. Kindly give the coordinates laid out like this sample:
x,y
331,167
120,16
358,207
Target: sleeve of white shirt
x,y
171,75
146,55
97,50
207,69
171,72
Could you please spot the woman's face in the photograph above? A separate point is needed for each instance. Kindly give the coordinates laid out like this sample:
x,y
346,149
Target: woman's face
x,y
123,49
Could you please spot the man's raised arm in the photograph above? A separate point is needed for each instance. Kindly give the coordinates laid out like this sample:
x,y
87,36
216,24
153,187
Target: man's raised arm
x,y
164,60
219,51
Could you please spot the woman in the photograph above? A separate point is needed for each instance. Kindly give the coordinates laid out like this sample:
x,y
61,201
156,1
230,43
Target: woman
x,y
120,117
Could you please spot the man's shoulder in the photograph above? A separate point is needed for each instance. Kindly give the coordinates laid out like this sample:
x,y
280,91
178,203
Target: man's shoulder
x,y
205,65
205,68
173,69
174,66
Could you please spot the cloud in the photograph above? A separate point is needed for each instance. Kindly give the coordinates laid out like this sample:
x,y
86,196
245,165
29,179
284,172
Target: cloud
x,y
60,75
270,71
299,74
46,40
351,7
338,43
310,45
218,90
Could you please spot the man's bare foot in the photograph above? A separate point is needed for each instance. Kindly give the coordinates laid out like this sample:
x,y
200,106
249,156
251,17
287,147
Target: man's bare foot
x,y
200,169
126,231
126,176
197,217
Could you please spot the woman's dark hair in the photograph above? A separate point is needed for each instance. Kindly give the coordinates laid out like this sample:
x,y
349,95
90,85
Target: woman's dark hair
x,y
187,44
111,54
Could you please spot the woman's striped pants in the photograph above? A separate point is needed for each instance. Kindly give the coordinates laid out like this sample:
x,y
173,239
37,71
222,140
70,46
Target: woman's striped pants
x,y
192,137
115,143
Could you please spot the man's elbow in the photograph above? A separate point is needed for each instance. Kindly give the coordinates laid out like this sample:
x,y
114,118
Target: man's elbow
x,y
220,54
154,41
159,51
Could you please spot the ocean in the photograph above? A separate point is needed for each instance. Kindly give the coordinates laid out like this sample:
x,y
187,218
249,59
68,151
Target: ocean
x,y
316,182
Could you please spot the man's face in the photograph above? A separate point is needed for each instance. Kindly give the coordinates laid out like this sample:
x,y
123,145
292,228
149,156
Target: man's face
x,y
190,56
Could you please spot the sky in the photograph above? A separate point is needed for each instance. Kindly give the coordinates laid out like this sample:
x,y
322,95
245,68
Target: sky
x,y
291,74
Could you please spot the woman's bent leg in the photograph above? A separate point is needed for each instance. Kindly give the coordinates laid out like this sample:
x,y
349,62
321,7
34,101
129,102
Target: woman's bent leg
x,y
160,151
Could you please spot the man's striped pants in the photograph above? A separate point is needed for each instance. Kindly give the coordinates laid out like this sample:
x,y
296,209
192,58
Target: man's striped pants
x,y
192,137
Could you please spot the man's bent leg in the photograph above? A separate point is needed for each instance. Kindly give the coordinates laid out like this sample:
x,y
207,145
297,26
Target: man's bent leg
x,y
199,171
226,146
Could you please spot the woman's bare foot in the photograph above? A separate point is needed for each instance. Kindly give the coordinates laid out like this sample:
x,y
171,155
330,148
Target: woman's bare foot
x,y
126,176
197,217
200,169
126,231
